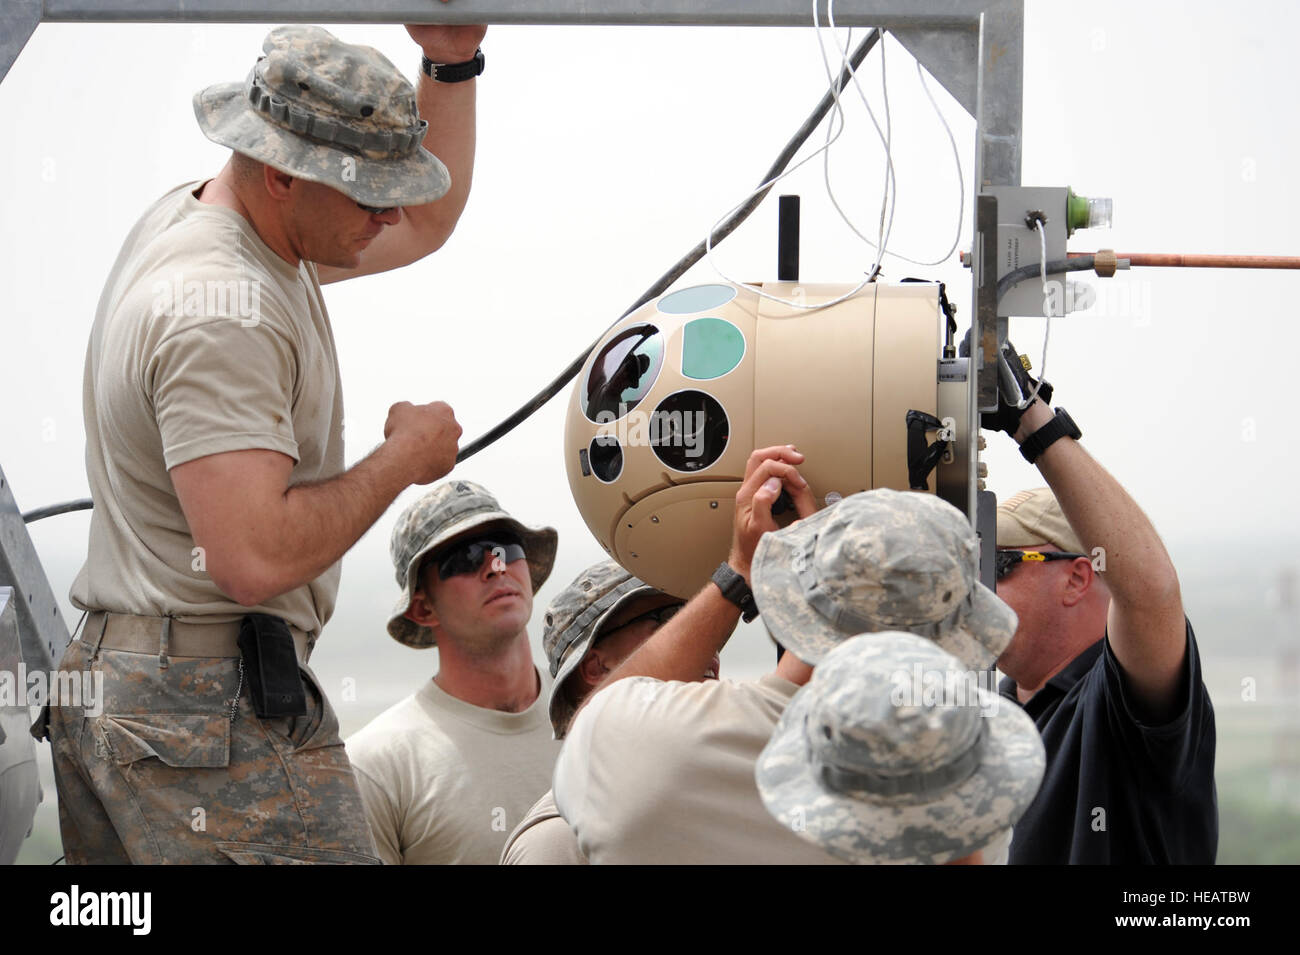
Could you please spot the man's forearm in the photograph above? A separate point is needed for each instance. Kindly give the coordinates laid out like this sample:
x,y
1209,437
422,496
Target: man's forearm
x,y
319,522
683,648
450,109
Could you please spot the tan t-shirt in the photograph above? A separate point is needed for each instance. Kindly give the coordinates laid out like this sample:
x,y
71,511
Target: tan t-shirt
x,y
543,838
655,772
204,341
444,781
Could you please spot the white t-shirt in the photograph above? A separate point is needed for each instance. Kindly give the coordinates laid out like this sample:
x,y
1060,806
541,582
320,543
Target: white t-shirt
x,y
204,341
543,838
445,782
655,772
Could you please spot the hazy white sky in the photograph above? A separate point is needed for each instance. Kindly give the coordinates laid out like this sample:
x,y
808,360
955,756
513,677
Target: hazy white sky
x,y
605,153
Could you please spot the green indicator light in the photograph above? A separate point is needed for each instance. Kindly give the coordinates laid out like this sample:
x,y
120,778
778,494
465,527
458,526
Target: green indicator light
x,y
1084,213
1076,212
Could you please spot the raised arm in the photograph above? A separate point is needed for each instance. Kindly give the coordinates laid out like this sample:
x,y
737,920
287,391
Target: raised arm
x,y
449,109
1146,624
683,647
261,537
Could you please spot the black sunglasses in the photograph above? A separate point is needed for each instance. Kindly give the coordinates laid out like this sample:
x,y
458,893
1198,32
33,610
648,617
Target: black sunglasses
x,y
467,556
660,615
1007,560
375,210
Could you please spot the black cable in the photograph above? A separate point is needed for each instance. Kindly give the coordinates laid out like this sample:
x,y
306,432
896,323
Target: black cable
x,y
1080,263
84,504
665,281
687,261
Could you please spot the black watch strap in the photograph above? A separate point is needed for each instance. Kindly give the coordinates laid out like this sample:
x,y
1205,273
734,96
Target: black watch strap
x,y
1061,426
453,72
735,589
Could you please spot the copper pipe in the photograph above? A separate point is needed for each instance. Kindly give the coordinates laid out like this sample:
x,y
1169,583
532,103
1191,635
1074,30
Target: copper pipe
x,y
1178,260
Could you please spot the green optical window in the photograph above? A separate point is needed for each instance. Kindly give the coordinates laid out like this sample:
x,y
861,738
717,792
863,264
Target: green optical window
x,y
711,347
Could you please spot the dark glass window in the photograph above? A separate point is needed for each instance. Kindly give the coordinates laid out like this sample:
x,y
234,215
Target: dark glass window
x,y
623,373
606,456
689,430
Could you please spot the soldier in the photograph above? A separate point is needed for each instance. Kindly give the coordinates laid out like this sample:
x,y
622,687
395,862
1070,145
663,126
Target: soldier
x,y
449,771
874,772
591,627
214,452
662,771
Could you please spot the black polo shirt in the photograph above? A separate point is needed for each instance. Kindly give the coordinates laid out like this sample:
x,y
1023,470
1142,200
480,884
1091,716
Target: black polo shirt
x,y
1118,791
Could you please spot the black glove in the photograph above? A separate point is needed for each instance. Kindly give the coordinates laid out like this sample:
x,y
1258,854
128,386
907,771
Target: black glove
x,y
1014,385
1007,417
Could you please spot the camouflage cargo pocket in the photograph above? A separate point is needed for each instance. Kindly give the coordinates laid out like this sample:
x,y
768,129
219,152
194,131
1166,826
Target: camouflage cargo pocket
x,y
253,853
180,740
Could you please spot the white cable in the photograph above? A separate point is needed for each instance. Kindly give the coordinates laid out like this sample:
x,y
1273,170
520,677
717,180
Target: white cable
x,y
961,182
893,184
1047,314
836,111
888,199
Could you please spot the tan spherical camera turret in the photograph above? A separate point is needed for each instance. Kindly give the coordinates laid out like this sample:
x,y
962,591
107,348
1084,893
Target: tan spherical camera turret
x,y
675,396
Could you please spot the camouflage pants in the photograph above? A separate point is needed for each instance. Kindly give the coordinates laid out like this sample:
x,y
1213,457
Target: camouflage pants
x,y
174,769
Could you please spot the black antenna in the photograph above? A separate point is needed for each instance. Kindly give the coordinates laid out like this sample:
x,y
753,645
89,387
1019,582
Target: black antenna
x,y
787,240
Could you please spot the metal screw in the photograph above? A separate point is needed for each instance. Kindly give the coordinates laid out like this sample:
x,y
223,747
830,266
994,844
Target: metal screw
x,y
713,504
654,520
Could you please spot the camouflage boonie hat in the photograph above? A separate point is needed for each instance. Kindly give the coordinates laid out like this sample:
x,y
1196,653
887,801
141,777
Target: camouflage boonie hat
x,y
879,560
861,767
575,617
446,512
328,112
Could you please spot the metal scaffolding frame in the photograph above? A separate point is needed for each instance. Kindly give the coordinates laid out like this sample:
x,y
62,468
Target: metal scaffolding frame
x,y
974,48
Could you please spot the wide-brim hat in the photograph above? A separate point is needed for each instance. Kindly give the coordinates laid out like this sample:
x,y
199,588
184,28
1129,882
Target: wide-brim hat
x,y
445,513
328,112
879,560
871,780
574,619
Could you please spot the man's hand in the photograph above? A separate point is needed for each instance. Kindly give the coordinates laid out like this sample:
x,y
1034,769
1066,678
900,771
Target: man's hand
x,y
1009,414
448,43
767,473
426,438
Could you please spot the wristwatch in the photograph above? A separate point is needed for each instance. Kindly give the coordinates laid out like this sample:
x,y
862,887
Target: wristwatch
x,y
1061,426
453,72
735,589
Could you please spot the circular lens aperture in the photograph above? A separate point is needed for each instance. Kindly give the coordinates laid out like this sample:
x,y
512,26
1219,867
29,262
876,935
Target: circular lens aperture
x,y
624,371
689,431
606,457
